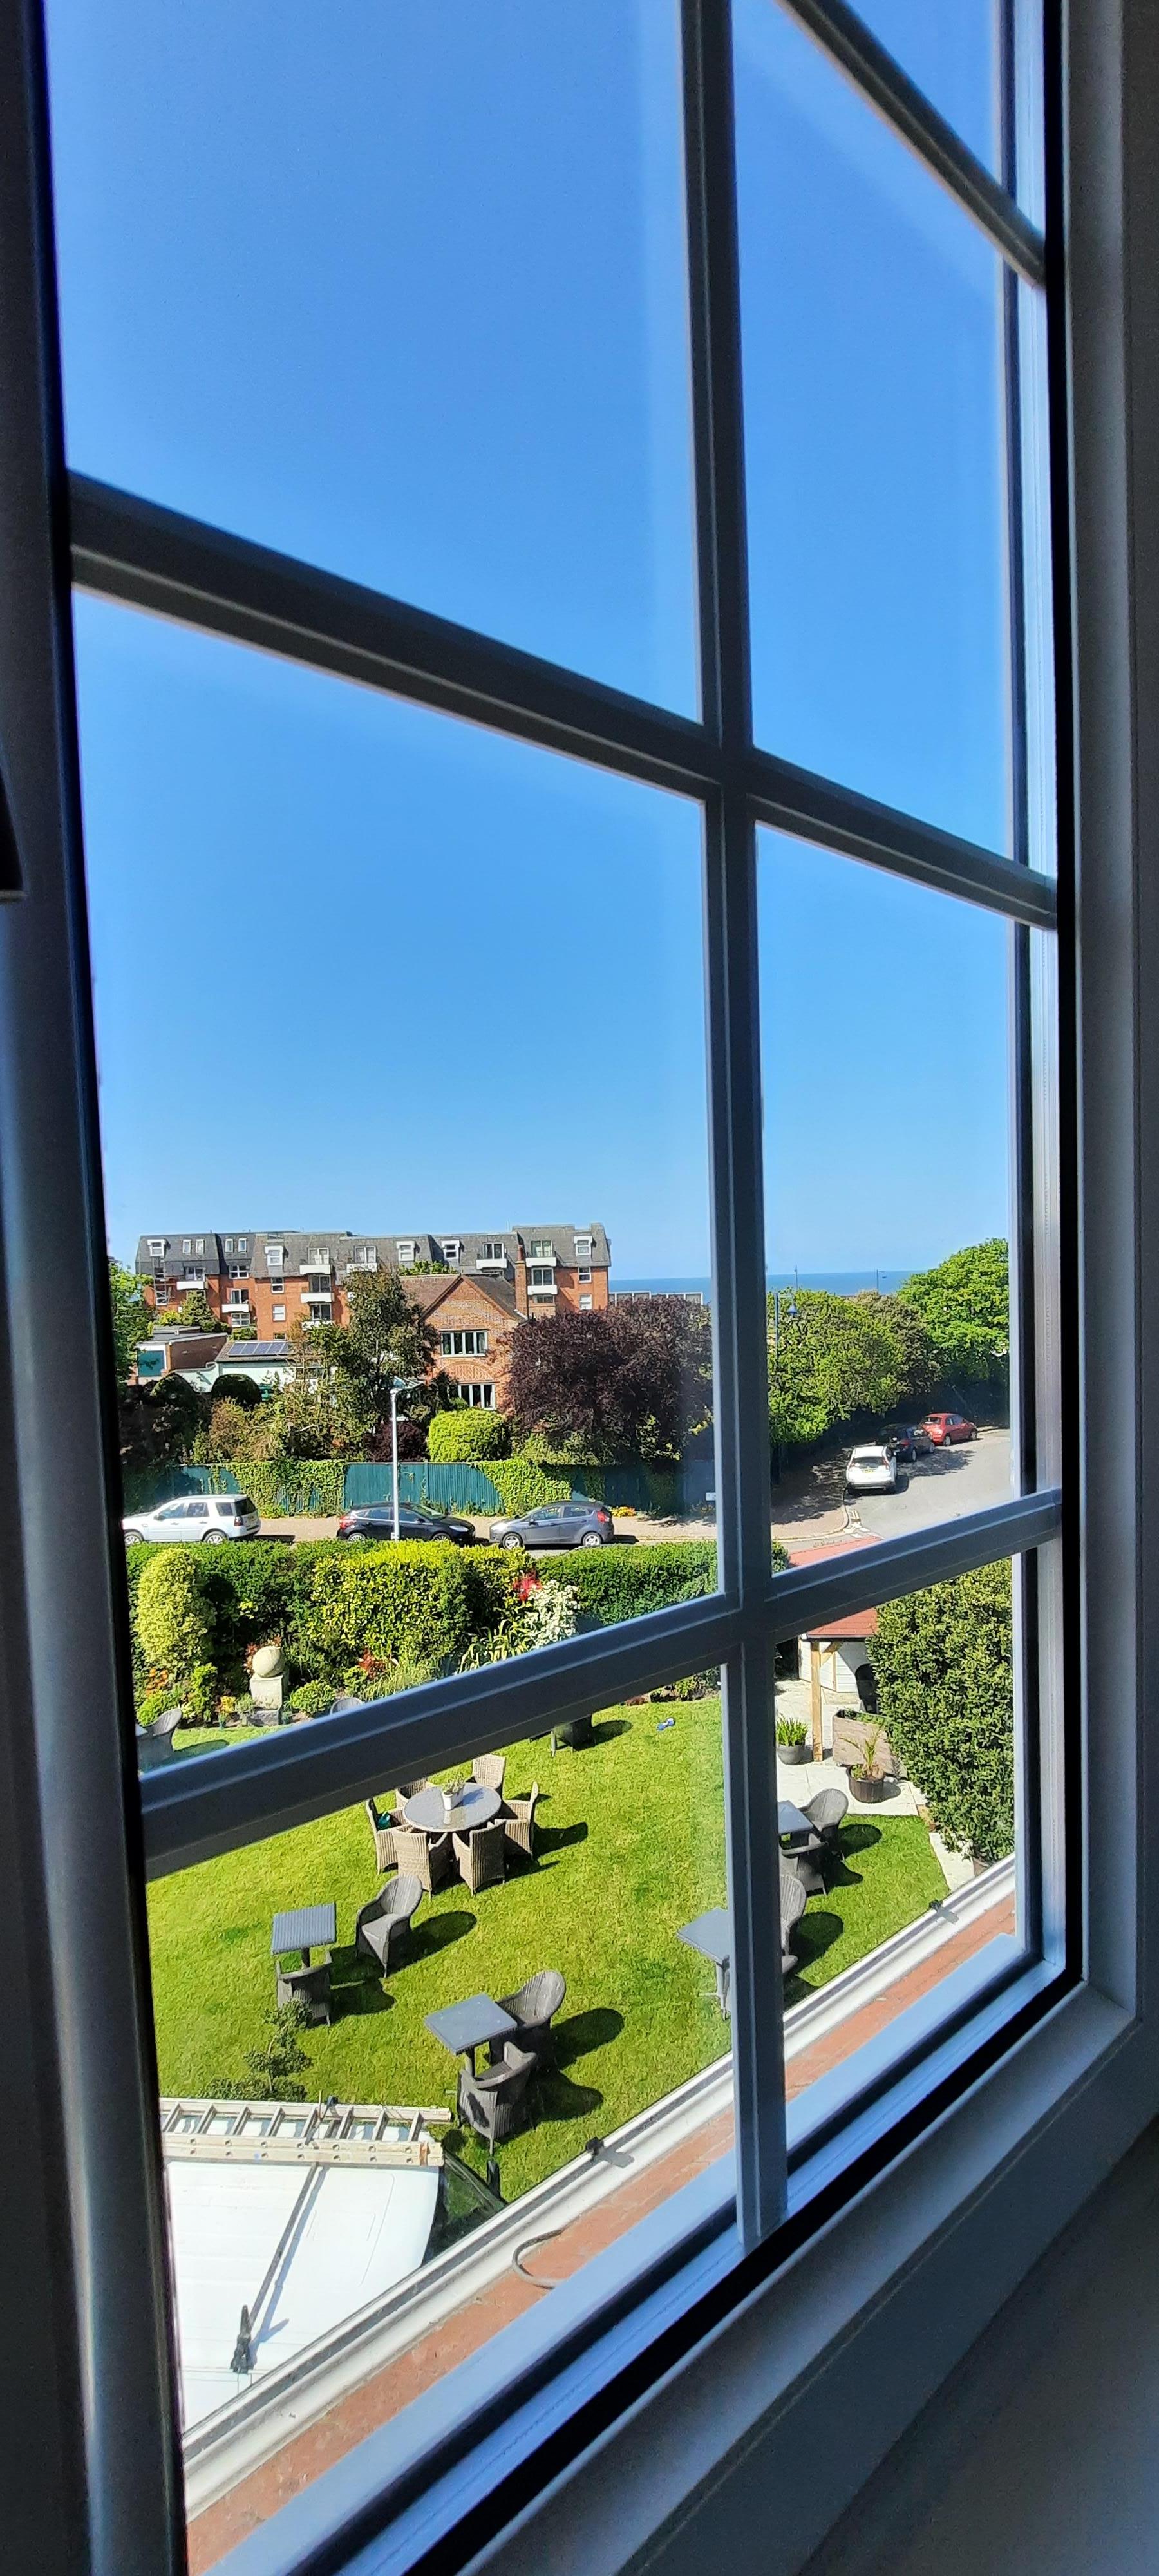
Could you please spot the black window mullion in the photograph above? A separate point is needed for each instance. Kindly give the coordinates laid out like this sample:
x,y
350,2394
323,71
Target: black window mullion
x,y
735,1089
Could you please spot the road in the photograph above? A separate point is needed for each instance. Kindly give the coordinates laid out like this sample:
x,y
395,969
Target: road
x,y
809,1507
939,1488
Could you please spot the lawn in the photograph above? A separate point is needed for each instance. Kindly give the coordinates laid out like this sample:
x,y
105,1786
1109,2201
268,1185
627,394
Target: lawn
x,y
630,1846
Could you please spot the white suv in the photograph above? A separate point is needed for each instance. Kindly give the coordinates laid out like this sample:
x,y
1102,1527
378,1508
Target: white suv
x,y
213,1517
871,1470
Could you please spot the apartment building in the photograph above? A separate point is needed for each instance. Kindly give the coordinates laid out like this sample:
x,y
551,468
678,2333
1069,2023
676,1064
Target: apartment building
x,y
274,1278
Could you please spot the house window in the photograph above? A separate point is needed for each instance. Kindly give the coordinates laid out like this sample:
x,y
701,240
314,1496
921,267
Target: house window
x,y
229,1243
201,1243
584,1277
187,1245
451,1249
460,1345
858,798
480,1397
238,1270
491,1251
279,1314
583,1247
585,1301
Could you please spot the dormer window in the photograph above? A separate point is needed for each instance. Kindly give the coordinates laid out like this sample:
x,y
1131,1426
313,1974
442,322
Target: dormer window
x,y
583,1247
406,1252
452,1248
542,1248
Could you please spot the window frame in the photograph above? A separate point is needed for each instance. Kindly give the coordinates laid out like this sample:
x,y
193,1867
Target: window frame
x,y
1029,2116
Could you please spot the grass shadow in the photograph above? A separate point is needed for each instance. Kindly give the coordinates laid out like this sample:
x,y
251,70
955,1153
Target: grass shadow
x,y
555,2097
551,1838
585,2031
609,1728
437,1932
814,1934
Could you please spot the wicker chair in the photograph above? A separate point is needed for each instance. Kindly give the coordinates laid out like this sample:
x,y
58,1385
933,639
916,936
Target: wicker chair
x,y
410,1788
519,1823
825,1813
382,1925
575,1731
793,1902
482,1856
383,1827
155,1742
806,1864
427,1857
488,1771
532,2007
309,1987
493,2104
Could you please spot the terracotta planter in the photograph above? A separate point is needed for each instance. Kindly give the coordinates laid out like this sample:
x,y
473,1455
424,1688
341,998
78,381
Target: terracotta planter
x,y
794,1753
868,1789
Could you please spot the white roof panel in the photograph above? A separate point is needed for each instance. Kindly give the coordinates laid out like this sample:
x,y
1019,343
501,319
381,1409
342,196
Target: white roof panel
x,y
302,2248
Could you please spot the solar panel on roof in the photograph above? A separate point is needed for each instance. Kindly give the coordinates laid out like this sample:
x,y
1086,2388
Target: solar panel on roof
x,y
246,1352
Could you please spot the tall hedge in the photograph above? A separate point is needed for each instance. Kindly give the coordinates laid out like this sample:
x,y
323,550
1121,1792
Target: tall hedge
x,y
614,1583
174,1619
944,1667
521,1483
421,1602
468,1434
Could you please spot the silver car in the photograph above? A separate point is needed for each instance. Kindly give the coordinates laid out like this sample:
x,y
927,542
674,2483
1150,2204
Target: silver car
x,y
872,1469
575,1524
212,1517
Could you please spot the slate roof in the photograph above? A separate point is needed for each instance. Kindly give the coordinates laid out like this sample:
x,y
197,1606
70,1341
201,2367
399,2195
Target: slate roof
x,y
344,1247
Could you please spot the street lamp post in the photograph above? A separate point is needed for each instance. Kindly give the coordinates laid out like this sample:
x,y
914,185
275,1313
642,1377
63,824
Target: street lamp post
x,y
401,1386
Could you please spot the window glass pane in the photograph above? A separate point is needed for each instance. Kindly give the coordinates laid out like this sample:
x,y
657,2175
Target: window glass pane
x,y
887,1199
611,1851
898,1788
953,55
400,291
871,313
349,835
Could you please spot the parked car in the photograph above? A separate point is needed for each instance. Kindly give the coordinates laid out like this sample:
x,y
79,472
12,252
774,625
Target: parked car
x,y
944,1428
212,1517
871,1470
575,1524
376,1521
908,1441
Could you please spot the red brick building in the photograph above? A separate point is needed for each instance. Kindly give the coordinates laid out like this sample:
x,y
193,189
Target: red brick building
x,y
485,1284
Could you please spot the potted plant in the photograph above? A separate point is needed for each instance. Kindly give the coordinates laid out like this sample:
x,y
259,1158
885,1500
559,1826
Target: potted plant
x,y
792,1740
869,1780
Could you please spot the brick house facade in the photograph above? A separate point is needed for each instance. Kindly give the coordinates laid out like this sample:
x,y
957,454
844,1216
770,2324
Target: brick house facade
x,y
275,1279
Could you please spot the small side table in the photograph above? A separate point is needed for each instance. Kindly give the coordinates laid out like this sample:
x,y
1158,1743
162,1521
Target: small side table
x,y
467,2026
711,1934
306,1928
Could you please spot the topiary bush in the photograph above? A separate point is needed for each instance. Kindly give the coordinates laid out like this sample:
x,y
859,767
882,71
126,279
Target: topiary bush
x,y
420,1602
174,1619
467,1434
944,1668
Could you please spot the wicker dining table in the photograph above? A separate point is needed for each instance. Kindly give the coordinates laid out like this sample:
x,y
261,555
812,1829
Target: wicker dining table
x,y
474,1806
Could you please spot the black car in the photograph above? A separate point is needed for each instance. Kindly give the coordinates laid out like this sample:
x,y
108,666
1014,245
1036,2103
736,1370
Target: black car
x,y
376,1521
907,1443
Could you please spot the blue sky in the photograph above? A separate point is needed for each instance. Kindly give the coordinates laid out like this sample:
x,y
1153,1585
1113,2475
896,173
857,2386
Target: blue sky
x,y
400,290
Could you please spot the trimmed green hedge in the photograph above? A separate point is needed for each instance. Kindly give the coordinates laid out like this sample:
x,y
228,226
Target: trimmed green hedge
x,y
467,1434
614,1583
420,1602
944,1667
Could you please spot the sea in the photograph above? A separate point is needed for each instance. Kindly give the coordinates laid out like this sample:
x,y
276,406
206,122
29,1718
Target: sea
x,y
840,1283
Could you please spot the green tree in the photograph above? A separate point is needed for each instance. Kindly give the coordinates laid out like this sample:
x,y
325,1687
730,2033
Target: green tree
x,y
944,1667
196,1315
132,1320
343,1373
160,1423
830,1358
965,1307
916,1361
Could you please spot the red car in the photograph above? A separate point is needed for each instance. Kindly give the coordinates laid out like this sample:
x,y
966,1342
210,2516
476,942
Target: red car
x,y
945,1427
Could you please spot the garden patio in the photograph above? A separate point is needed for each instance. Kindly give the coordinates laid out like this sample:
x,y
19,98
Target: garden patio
x,y
630,1846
